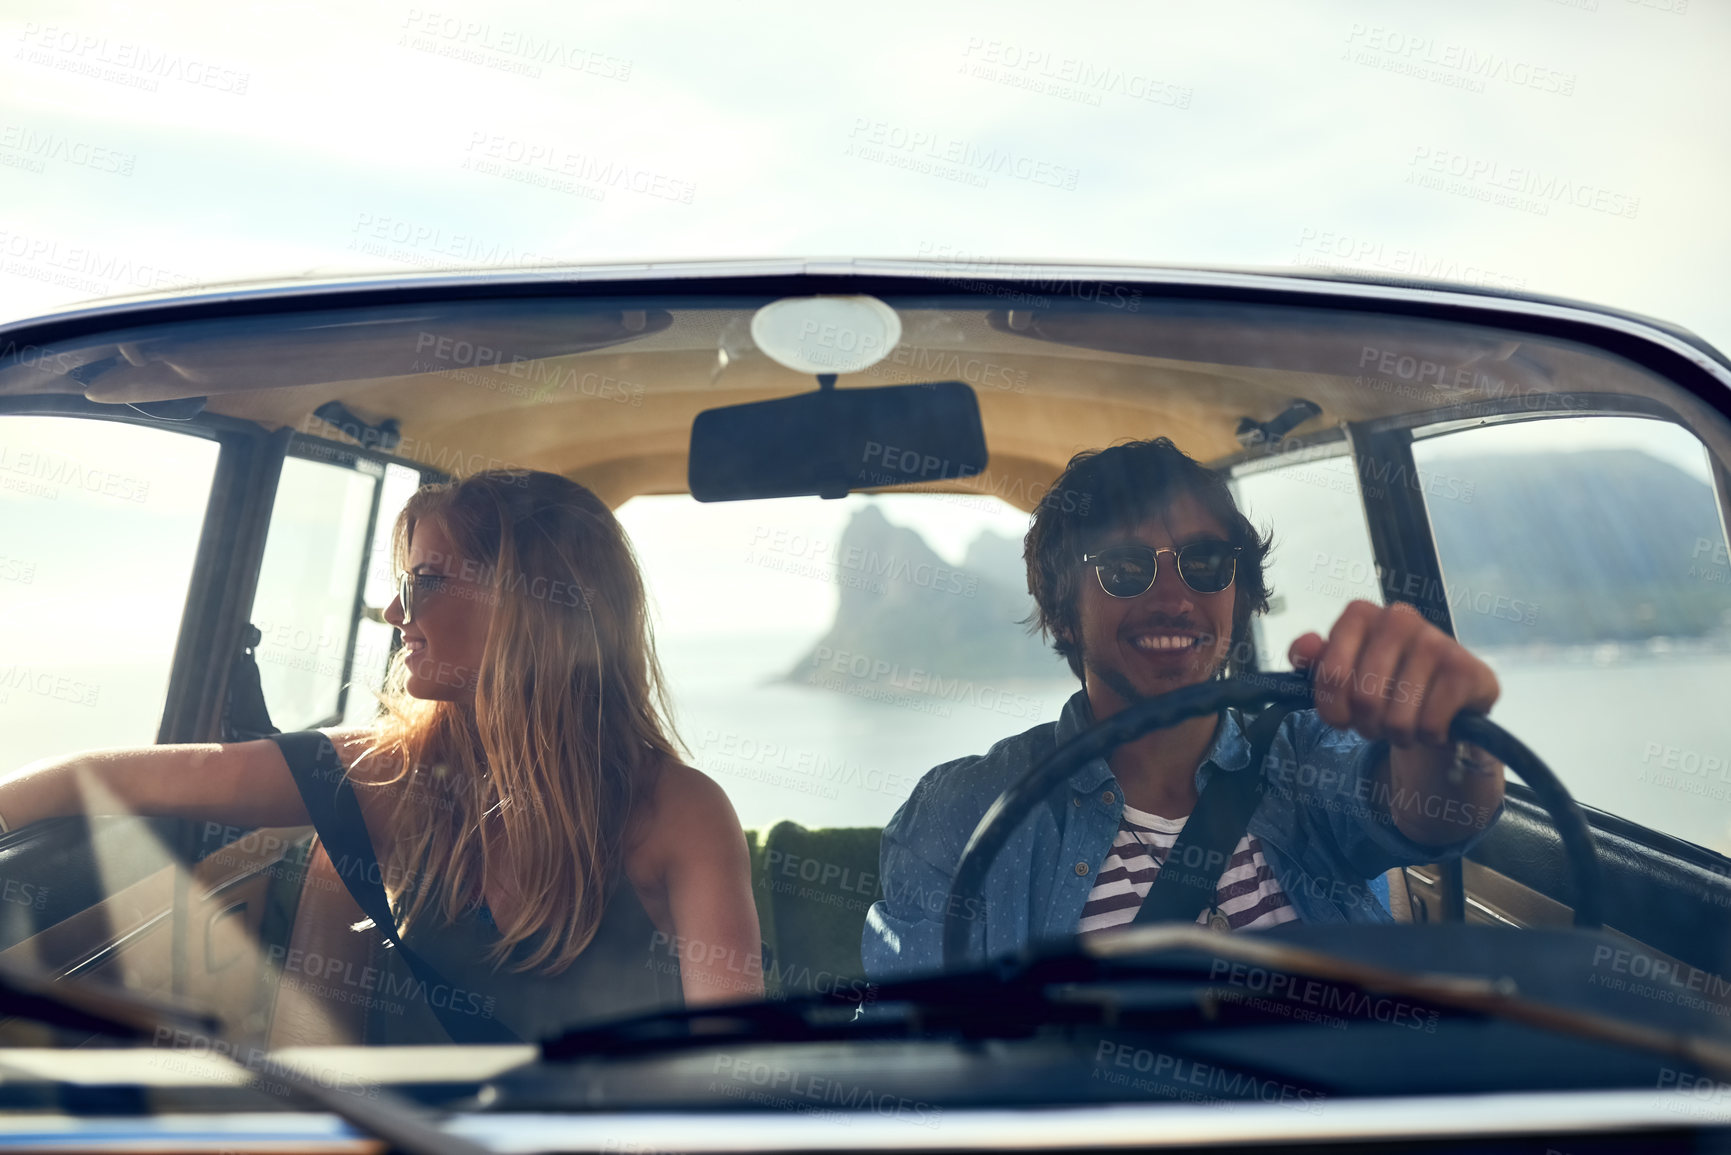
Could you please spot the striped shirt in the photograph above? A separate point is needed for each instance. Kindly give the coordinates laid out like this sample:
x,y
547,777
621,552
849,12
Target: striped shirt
x,y
1248,895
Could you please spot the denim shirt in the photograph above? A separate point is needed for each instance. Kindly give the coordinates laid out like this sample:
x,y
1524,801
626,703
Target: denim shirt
x,y
1324,825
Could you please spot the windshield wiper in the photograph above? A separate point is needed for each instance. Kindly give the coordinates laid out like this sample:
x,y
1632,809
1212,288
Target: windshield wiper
x,y
1014,997
1073,985
84,1006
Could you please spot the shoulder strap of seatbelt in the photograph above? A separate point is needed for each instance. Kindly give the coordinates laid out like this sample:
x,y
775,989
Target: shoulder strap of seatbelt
x,y
1188,878
336,813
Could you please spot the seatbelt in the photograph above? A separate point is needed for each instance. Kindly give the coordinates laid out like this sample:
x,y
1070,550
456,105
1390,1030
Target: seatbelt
x,y
244,714
336,814
1188,878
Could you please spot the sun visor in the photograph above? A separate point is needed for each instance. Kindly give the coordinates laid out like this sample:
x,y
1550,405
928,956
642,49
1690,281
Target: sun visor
x,y
272,350
1287,338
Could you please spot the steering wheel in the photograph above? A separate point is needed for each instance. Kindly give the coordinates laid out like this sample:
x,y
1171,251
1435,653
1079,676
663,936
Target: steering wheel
x,y
1292,691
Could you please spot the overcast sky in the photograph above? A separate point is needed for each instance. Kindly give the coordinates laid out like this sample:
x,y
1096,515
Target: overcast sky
x,y
1577,148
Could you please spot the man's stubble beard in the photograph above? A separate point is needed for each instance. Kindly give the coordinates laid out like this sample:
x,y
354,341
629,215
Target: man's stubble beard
x,y
1120,683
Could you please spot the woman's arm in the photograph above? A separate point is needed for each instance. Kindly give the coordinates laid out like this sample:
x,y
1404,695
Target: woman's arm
x,y
242,784
706,869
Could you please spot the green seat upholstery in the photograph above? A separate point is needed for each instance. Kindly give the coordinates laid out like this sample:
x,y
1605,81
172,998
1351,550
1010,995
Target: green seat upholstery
x,y
813,889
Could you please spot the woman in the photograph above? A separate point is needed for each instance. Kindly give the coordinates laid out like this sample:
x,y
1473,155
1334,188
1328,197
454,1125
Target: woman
x,y
539,839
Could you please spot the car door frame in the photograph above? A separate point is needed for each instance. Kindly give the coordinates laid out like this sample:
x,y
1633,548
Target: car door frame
x,y
230,543
227,562
230,546
1646,870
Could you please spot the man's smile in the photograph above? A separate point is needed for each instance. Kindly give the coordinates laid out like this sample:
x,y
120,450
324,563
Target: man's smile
x,y
1164,641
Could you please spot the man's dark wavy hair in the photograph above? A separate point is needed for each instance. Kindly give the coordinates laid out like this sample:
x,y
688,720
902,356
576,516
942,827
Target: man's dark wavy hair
x,y
1105,491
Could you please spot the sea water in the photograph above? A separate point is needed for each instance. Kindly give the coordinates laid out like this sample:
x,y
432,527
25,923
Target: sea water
x,y
1642,734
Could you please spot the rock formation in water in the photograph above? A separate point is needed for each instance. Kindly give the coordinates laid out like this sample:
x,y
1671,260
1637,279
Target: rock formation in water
x,y
906,616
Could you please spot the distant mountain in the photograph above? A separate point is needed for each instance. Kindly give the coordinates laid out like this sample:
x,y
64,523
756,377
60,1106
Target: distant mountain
x,y
1604,545
1607,545
1000,558
906,616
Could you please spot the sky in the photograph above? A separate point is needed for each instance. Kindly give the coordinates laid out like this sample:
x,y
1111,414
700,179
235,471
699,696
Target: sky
x,y
1575,148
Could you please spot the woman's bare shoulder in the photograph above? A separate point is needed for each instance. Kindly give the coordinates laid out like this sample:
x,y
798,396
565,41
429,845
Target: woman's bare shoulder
x,y
686,811
686,791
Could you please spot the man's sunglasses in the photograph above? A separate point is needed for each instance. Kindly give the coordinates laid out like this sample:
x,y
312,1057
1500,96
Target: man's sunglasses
x,y
411,584
1128,571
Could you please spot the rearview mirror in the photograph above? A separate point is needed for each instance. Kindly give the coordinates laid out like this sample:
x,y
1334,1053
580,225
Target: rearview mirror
x,y
830,442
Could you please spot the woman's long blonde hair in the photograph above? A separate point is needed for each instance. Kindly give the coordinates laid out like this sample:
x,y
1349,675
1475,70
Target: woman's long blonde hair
x,y
566,731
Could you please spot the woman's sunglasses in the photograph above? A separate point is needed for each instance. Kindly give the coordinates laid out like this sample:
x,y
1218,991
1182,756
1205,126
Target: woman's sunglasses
x,y
411,584
1128,571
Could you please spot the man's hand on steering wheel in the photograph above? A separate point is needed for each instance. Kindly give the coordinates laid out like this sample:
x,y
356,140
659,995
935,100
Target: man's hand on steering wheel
x,y
1387,673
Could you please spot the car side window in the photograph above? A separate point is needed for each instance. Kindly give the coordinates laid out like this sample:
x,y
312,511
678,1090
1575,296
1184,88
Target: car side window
x,y
324,582
1591,571
1321,559
101,525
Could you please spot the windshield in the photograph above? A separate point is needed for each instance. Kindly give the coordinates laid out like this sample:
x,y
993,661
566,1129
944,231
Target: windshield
x,y
398,690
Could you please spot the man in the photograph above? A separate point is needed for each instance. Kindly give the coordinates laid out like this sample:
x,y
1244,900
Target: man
x,y
1150,589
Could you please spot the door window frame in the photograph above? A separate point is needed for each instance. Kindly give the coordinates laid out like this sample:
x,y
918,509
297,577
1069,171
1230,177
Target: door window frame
x,y
1417,427
230,551
325,451
247,463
